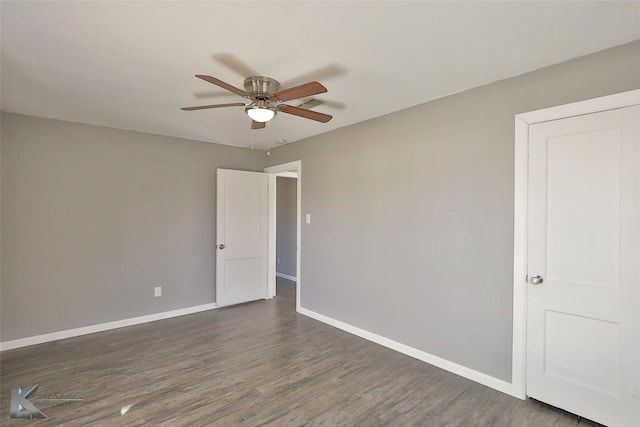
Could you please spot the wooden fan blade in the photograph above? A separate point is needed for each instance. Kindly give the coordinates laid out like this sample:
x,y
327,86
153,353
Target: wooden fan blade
x,y
223,85
307,89
203,107
257,125
307,114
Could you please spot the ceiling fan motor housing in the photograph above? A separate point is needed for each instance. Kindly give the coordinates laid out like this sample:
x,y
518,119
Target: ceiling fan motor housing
x,y
261,86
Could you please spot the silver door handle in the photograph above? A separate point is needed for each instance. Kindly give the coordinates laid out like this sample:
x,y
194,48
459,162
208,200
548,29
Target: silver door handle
x,y
220,246
536,280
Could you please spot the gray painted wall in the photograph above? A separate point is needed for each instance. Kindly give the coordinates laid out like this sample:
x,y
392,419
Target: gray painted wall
x,y
93,218
286,225
412,213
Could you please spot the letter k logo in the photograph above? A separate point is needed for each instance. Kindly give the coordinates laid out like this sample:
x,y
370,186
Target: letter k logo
x,y
21,407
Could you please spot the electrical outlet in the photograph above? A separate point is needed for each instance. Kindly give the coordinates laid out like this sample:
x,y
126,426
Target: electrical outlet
x,y
278,260
157,291
636,391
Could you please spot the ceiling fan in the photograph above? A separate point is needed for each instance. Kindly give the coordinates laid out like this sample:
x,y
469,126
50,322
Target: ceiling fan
x,y
267,99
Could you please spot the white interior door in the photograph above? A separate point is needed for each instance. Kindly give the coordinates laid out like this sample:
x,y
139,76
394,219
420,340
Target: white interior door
x,y
242,236
583,327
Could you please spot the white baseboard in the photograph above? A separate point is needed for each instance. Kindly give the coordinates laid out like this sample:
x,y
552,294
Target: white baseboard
x,y
286,276
447,365
69,333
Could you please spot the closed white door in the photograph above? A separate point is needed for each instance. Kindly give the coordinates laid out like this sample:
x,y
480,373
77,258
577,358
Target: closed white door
x,y
583,326
241,234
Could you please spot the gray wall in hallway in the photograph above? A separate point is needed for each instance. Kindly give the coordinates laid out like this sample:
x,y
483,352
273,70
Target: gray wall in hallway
x,y
412,228
286,225
94,218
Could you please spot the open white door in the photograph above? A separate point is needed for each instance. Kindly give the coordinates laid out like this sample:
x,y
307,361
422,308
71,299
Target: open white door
x,y
242,236
583,326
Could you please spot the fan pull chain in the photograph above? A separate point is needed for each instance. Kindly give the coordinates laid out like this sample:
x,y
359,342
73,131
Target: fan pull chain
x,y
268,136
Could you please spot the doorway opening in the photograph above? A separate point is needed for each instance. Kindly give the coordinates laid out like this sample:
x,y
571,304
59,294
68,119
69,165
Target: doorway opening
x,y
285,233
286,184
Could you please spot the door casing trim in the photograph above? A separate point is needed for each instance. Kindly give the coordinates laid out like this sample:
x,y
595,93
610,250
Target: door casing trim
x,y
522,123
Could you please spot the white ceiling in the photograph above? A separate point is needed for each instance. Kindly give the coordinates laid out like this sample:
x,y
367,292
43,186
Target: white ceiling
x,y
131,65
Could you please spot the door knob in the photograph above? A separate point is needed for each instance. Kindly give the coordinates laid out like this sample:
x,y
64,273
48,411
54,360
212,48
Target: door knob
x,y
536,280
220,246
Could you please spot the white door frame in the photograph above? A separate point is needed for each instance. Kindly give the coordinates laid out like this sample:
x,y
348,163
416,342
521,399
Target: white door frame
x,y
274,172
522,123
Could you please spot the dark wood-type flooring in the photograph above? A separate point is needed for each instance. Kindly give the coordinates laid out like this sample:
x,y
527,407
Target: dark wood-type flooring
x,y
254,364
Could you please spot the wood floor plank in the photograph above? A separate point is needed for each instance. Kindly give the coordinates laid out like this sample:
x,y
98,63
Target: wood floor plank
x,y
256,364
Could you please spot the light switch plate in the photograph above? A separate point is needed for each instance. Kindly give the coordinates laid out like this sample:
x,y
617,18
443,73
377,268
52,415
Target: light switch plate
x,y
308,220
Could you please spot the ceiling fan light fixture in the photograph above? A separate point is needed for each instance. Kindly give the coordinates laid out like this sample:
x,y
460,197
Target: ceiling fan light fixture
x,y
261,111
260,114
